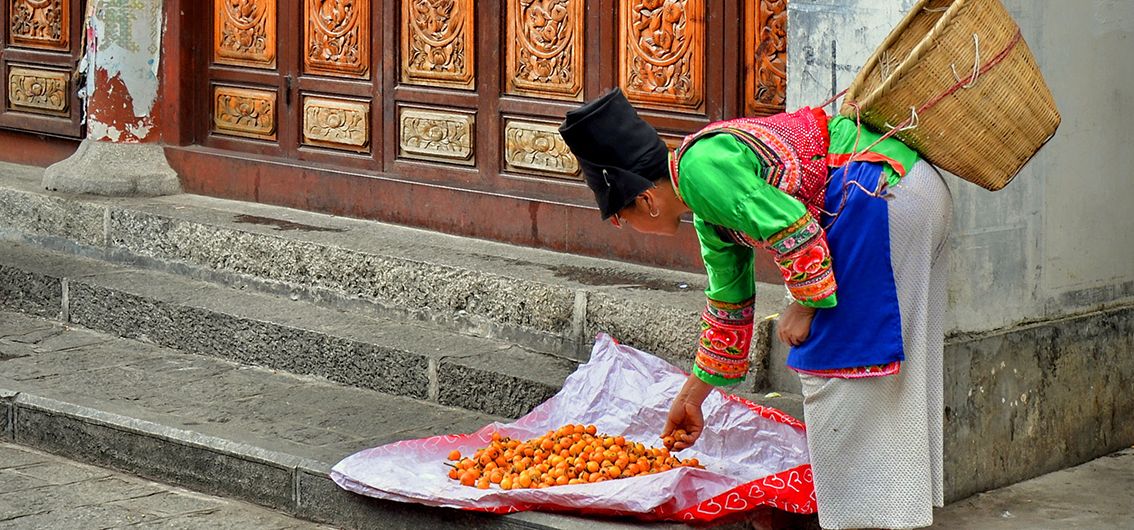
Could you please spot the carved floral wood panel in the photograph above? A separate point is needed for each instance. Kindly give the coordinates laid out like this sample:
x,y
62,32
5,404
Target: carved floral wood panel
x,y
545,48
537,147
336,123
245,33
244,112
437,136
765,52
662,53
40,23
437,43
337,37
39,91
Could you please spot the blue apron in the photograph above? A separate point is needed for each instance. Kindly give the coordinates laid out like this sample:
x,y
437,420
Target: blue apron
x,y
865,327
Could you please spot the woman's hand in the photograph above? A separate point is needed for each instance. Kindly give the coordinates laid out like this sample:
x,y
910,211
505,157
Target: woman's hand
x,y
795,324
685,413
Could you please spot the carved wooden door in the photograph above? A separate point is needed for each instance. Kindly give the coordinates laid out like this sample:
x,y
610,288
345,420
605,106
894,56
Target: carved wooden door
x,y
39,48
293,78
484,84
444,100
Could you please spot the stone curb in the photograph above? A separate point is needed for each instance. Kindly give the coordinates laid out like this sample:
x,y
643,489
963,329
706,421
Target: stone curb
x,y
391,357
297,486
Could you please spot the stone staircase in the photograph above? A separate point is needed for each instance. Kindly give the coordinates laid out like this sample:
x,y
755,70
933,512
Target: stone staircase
x,y
242,349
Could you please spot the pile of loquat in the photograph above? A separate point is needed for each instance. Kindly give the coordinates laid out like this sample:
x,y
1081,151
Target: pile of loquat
x,y
573,454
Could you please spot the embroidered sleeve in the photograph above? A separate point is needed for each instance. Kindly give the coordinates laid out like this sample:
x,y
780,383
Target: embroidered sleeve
x,y
804,260
726,323
722,349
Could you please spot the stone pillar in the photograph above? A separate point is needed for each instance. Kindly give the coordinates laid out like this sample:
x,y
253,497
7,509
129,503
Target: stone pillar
x,y
121,154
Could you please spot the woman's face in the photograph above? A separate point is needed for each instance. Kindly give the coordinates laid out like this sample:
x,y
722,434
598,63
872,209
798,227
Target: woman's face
x,y
650,213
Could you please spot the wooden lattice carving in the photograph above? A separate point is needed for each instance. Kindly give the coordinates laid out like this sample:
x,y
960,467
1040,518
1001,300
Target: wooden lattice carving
x,y
337,37
765,52
545,48
437,136
437,43
245,33
336,123
40,23
244,112
39,91
662,53
531,147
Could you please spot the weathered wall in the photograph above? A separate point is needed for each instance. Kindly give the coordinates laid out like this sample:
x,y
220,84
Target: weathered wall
x,y
121,65
1058,240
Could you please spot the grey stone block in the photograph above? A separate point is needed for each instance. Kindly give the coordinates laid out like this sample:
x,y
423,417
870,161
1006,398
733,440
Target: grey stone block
x,y
108,440
321,500
36,214
431,292
30,292
1037,399
507,383
668,332
7,413
249,341
779,377
114,169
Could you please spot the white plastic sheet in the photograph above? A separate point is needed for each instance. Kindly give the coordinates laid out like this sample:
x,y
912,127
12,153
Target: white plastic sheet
x,y
752,455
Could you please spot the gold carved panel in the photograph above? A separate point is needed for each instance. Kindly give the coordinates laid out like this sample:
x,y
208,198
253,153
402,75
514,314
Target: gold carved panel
x,y
437,136
438,43
537,148
662,53
336,123
337,37
245,33
40,23
244,112
39,91
765,52
545,48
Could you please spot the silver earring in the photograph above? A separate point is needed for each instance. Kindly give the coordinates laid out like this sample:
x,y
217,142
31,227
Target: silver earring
x,y
655,213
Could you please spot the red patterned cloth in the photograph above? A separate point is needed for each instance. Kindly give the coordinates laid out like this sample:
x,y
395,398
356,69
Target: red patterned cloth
x,y
792,146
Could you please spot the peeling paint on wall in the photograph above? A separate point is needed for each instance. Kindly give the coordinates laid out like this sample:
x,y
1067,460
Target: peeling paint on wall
x,y
123,41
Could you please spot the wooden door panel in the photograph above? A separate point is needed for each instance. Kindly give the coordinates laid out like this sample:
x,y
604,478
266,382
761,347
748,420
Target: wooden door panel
x,y
40,91
765,55
245,33
438,44
544,48
533,147
662,53
39,43
336,123
245,112
435,135
337,38
40,24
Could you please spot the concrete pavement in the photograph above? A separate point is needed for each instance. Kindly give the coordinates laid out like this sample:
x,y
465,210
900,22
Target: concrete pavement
x,y
1098,495
39,490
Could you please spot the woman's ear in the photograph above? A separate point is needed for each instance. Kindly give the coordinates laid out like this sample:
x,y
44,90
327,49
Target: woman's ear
x,y
649,200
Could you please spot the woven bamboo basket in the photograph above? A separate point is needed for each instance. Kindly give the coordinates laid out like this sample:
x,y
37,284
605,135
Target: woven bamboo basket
x,y
962,88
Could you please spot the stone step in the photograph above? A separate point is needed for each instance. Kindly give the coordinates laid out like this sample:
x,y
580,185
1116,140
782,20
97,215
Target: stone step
x,y
545,301
400,358
227,429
